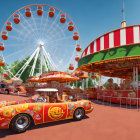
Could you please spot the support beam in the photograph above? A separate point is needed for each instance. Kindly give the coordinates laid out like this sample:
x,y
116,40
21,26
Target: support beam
x,y
48,57
34,64
26,64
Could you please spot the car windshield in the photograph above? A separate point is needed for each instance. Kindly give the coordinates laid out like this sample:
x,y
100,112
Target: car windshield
x,y
38,97
54,97
43,96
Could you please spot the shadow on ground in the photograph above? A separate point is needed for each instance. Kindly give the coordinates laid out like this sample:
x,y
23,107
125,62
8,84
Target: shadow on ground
x,y
7,132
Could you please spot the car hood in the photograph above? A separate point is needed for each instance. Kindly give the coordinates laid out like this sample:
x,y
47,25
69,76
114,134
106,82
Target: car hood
x,y
5,103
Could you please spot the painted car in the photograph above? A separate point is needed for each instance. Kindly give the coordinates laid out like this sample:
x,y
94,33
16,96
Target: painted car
x,y
6,89
41,108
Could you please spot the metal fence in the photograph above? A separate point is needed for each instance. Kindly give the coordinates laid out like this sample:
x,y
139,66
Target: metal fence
x,y
131,103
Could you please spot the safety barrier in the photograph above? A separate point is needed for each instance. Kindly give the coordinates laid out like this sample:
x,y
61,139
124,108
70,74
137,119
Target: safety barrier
x,y
120,101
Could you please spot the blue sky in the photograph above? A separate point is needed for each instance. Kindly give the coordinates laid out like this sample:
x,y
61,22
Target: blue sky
x,y
92,17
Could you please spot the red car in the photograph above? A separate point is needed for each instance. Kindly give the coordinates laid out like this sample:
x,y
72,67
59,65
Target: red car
x,y
6,88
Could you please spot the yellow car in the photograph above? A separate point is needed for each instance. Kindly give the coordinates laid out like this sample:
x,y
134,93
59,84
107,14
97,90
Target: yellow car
x,y
43,107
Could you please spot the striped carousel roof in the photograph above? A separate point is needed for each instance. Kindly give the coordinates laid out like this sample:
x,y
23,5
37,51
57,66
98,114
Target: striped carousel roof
x,y
120,37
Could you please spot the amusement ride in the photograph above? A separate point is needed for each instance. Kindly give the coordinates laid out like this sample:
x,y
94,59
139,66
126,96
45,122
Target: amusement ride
x,y
43,36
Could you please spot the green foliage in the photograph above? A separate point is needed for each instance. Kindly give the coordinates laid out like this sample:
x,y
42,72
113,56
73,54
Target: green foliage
x,y
17,65
90,83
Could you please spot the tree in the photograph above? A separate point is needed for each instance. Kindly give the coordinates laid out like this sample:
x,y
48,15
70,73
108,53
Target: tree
x,y
17,65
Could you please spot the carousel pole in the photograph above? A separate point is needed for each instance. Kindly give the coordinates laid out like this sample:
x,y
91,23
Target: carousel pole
x,y
86,82
134,77
99,80
137,85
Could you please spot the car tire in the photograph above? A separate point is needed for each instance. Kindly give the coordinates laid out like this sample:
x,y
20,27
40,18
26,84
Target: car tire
x,y
20,123
7,91
79,113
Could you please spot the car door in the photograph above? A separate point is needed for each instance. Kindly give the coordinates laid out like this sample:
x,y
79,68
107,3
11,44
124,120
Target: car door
x,y
55,111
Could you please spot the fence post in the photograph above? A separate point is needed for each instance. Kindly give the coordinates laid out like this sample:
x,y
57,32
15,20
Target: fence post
x,y
130,102
137,103
126,102
103,99
110,100
97,97
120,101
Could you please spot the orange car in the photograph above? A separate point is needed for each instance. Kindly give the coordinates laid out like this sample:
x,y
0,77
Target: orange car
x,y
45,106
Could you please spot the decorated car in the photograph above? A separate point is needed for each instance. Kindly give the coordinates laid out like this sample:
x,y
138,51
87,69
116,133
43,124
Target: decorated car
x,y
45,106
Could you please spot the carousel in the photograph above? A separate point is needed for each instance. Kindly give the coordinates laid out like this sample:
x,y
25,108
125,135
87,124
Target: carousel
x,y
115,54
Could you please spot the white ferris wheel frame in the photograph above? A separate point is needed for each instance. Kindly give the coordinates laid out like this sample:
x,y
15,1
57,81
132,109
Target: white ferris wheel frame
x,y
40,50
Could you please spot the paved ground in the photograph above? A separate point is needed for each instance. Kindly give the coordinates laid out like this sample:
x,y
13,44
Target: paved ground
x,y
104,123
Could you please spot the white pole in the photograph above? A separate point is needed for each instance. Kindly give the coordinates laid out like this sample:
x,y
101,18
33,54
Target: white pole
x,y
87,83
34,64
137,80
99,80
44,62
49,58
26,64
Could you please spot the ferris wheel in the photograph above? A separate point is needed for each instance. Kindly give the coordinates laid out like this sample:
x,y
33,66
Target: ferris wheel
x,y
41,36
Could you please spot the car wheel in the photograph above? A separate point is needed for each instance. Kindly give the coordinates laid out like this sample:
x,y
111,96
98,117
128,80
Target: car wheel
x,y
20,123
79,113
7,91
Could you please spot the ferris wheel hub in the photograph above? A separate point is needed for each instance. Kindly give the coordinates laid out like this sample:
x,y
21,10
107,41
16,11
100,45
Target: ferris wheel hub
x,y
41,43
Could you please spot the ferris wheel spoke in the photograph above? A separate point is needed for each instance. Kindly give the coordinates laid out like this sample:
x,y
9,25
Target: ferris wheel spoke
x,y
25,34
33,19
58,33
64,38
19,39
55,31
41,26
28,24
44,27
52,25
14,45
26,29
16,38
15,53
